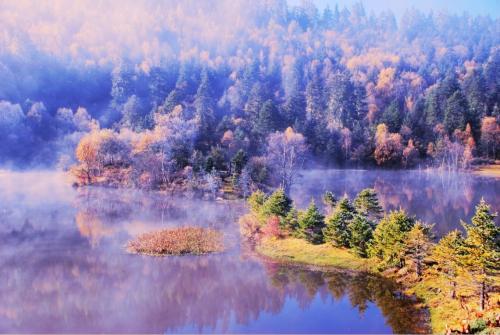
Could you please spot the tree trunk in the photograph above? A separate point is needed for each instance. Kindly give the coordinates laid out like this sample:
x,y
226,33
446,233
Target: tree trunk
x,y
482,295
453,293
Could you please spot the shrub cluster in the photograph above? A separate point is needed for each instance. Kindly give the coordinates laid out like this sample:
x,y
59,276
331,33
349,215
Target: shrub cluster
x,y
178,241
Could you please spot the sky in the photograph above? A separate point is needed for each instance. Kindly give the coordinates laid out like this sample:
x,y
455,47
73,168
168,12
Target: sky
x,y
474,7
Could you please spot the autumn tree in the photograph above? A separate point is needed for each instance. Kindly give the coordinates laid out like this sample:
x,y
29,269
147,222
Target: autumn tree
x,y
286,153
490,136
388,146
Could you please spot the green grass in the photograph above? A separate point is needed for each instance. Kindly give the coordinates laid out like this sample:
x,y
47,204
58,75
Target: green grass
x,y
300,251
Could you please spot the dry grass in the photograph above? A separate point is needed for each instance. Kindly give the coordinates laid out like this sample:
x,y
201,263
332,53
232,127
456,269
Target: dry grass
x,y
178,241
492,170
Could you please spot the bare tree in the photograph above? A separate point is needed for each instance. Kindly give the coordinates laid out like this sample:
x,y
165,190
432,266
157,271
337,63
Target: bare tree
x,y
285,154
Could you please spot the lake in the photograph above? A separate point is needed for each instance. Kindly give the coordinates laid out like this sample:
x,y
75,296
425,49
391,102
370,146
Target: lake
x,y
64,268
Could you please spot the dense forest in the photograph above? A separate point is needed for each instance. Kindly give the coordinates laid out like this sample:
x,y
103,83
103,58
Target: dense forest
x,y
218,87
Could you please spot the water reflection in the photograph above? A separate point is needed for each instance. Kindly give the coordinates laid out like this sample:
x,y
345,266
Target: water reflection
x,y
63,267
435,197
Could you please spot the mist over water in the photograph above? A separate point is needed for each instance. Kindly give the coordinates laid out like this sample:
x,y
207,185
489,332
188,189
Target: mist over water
x,y
64,267
435,197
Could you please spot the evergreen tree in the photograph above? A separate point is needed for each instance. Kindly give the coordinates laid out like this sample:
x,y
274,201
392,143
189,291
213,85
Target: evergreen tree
x,y
267,119
456,110
475,91
418,244
310,223
256,201
447,254
361,232
392,117
367,204
329,201
389,238
336,230
205,106
278,204
481,249
341,109
291,221
433,113
314,99
239,161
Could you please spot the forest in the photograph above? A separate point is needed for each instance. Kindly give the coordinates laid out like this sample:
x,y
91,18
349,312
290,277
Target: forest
x,y
237,89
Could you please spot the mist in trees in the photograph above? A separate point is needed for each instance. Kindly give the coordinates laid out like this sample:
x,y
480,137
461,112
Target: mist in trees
x,y
359,88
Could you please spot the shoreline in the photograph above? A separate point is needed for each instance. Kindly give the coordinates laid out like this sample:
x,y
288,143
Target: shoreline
x,y
440,312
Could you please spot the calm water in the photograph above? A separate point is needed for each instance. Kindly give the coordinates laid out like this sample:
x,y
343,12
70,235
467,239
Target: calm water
x,y
63,267
434,197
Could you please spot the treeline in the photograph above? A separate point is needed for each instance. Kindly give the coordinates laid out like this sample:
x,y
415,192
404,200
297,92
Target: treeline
x,y
467,262
362,89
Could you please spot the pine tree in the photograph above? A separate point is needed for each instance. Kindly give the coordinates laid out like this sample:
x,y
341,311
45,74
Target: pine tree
x,y
367,203
267,119
239,161
310,223
389,238
277,204
205,106
256,200
481,249
336,230
361,232
456,110
418,244
447,253
432,109
291,221
329,201
392,117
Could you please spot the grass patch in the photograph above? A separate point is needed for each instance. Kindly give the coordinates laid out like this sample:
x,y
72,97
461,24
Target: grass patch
x,y
300,251
178,241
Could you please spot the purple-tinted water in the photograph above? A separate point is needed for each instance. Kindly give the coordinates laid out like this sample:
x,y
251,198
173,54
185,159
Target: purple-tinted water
x,y
63,267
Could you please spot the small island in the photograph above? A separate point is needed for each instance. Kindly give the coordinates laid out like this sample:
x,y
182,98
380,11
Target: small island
x,y
178,241
455,277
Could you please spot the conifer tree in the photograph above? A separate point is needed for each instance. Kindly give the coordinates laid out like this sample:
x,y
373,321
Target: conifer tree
x,y
310,223
336,230
329,201
418,244
481,249
291,221
277,204
367,203
361,232
447,253
455,112
388,244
